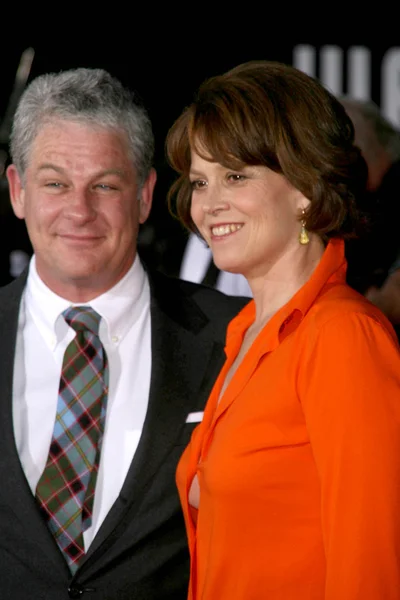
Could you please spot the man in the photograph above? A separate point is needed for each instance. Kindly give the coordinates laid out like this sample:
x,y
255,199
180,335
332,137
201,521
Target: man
x,y
105,368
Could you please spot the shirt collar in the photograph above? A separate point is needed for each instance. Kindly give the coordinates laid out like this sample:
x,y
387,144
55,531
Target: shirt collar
x,y
331,269
119,307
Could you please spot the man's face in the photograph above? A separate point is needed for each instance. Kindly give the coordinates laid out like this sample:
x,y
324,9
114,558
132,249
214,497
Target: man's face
x,y
82,206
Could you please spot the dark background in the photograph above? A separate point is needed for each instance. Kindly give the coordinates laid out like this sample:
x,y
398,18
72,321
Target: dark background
x,y
165,59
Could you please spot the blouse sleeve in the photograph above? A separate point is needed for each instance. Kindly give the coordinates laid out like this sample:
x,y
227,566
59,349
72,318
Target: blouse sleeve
x,y
349,387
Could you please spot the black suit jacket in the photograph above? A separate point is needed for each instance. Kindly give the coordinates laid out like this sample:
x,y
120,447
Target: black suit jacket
x,y
140,550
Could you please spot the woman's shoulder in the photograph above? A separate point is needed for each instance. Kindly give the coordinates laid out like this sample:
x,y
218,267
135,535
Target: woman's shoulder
x,y
339,304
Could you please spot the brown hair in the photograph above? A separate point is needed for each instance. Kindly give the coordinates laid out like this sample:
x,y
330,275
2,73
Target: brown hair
x,y
272,114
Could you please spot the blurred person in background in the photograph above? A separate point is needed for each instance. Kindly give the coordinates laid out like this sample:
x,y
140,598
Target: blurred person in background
x,y
374,258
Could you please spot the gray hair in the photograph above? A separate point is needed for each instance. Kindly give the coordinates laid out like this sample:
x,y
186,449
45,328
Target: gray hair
x,y
373,131
89,96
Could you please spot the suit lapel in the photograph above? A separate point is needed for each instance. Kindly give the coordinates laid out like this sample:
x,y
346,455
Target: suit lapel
x,y
19,494
180,383
175,391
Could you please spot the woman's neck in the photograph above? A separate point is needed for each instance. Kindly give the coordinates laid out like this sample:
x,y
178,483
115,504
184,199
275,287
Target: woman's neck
x,y
275,288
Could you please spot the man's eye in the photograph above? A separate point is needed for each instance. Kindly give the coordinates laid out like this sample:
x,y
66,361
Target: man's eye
x,y
104,186
53,184
198,184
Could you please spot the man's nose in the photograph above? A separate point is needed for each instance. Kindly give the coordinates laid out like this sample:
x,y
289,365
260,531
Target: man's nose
x,y
80,205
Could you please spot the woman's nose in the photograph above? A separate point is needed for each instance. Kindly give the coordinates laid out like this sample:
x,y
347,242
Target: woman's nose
x,y
215,207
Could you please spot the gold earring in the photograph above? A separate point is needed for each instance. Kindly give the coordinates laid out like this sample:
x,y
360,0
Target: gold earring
x,y
303,236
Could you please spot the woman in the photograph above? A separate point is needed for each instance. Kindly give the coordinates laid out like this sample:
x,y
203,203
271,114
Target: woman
x,y
290,486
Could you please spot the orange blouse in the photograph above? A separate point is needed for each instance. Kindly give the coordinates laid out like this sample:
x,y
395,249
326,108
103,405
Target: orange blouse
x,y
299,463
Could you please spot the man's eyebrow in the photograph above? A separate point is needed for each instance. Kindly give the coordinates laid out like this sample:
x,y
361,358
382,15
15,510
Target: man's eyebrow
x,y
118,172
45,166
50,166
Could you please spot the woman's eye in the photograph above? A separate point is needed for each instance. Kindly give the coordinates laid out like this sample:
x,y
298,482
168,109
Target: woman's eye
x,y
198,184
236,177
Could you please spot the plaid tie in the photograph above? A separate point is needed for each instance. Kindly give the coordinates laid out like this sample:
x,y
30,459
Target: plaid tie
x,y
65,491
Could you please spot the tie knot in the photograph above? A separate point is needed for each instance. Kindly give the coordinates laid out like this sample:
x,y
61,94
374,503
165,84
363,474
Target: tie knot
x,y
82,318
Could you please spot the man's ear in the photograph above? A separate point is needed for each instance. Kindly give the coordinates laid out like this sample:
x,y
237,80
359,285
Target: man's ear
x,y
146,196
16,191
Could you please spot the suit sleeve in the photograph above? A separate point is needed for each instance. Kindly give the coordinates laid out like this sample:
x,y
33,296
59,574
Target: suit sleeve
x,y
350,392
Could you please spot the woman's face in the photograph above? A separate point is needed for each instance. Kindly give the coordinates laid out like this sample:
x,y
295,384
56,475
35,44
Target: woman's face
x,y
249,218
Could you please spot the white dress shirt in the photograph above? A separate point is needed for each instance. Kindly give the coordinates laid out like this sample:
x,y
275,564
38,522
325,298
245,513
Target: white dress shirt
x,y
196,259
43,335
